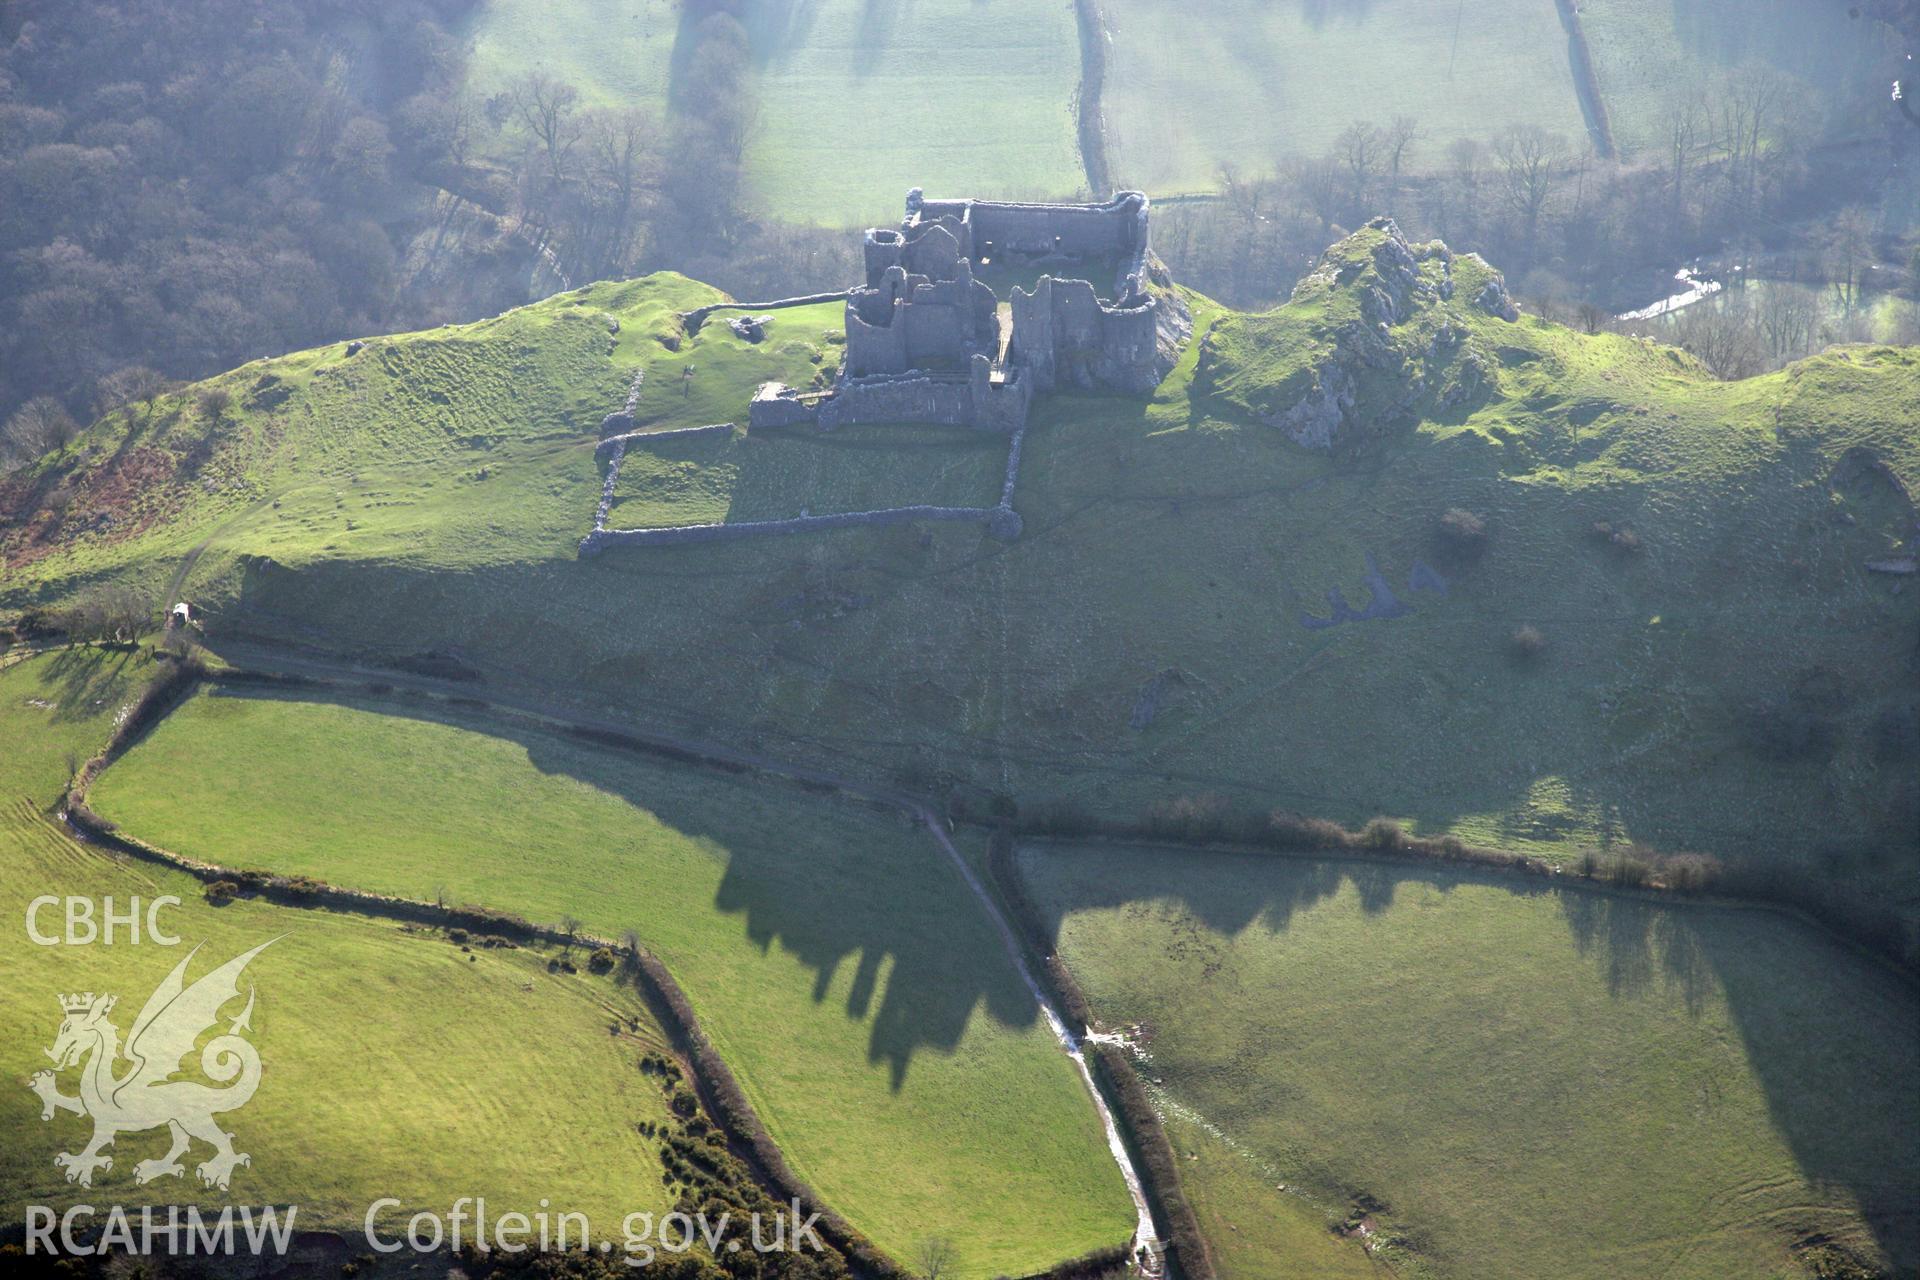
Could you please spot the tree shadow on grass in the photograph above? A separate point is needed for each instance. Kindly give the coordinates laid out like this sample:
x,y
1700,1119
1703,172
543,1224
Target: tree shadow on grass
x,y
87,681
842,885
1832,1039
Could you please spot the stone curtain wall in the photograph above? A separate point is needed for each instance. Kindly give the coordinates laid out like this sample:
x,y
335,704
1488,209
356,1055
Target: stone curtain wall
x,y
692,320
1002,521
919,335
971,400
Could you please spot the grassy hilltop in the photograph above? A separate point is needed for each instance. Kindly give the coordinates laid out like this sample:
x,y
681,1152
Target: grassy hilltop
x,y
1713,666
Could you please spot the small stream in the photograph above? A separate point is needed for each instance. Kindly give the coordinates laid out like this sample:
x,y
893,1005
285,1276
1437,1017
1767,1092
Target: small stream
x,y
1698,286
1144,1235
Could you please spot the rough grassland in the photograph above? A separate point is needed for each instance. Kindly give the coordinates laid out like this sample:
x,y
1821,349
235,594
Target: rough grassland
x,y
1648,53
1531,1084
1250,83
384,1071
859,101
772,476
873,1020
1254,1229
432,490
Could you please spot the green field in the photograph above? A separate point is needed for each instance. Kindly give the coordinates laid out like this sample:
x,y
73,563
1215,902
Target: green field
x,y
858,101
1529,1083
770,476
1649,53
384,1072
616,52
56,710
976,97
961,97
881,1032
1256,1226
1252,84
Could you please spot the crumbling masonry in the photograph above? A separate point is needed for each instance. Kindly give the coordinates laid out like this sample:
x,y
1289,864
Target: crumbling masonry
x,y
930,341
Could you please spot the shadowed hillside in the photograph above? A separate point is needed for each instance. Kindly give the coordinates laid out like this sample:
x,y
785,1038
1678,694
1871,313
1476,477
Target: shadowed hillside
x,y
1653,616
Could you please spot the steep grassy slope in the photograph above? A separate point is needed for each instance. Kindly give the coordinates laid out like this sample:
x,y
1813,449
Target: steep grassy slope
x,y
872,1017
742,477
385,1074
1725,674
1504,1084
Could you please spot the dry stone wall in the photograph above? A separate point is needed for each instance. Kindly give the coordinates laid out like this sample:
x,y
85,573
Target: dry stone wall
x,y
923,341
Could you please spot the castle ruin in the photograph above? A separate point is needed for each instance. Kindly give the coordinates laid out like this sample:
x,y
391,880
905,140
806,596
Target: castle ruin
x,y
930,340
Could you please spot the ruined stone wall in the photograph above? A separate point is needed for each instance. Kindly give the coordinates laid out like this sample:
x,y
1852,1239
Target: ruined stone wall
x,y
907,321
973,400
1066,336
600,539
692,320
1114,229
1070,230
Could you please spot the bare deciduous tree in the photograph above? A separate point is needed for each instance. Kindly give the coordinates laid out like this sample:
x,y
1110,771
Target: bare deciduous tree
x,y
1849,249
544,107
37,427
1359,150
1401,133
133,384
1531,161
934,1258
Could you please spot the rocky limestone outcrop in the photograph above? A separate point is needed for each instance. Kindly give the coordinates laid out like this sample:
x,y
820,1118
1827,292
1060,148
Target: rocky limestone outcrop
x,y
1391,343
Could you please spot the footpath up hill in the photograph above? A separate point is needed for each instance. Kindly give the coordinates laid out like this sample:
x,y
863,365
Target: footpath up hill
x,y
1657,619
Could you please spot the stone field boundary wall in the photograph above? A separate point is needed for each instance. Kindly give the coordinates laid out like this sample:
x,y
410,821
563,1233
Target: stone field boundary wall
x,y
927,343
1002,521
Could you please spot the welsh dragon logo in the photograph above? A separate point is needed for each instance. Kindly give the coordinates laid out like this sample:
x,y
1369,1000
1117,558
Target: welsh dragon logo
x,y
144,1095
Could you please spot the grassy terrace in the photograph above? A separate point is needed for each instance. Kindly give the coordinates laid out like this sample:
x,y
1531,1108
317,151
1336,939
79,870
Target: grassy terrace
x,y
873,1019
731,479
385,1074
1504,1084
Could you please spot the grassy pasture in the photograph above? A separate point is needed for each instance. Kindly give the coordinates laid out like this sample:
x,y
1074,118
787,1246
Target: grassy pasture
x,y
1530,1083
1253,1228
860,101
616,52
384,1072
1250,83
880,1031
741,477
59,707
1648,53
